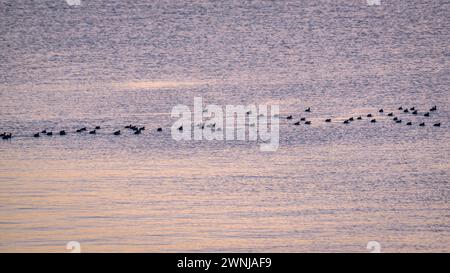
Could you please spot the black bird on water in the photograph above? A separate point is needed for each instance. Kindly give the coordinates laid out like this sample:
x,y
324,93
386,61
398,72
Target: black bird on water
x,y
6,136
359,118
302,119
399,121
289,117
36,135
116,133
422,124
97,127
308,109
373,120
308,122
350,119
400,108
412,108
346,121
437,124
381,110
427,114
49,133
180,128
297,123
409,123
44,132
390,114
138,132
369,115
434,108
159,129
328,120
405,111
414,112
93,132
395,119
62,133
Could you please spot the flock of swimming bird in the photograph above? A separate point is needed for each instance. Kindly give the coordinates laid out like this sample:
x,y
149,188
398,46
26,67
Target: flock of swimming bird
x,y
411,110
138,130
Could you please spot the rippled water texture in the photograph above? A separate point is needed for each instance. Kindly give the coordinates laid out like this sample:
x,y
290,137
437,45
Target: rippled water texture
x,y
330,187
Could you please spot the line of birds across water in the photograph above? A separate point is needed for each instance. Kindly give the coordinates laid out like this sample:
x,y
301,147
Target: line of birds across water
x,y
396,119
137,130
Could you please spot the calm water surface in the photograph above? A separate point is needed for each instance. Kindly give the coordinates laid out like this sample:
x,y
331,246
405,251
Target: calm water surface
x,y
329,187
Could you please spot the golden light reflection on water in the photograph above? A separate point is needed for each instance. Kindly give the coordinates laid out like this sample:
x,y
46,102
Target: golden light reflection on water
x,y
159,84
208,203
